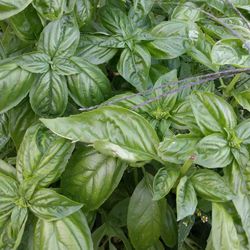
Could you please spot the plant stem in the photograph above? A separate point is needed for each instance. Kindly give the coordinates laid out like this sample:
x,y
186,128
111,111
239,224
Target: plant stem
x,y
231,85
188,163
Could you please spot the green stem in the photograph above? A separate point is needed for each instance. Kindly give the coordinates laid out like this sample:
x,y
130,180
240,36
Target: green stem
x,y
231,85
188,163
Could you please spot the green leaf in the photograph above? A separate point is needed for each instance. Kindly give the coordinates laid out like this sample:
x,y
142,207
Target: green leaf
x,y
42,156
243,98
144,216
59,38
142,7
90,86
26,24
238,181
90,177
243,131
213,151
164,180
83,11
224,234
49,95
134,66
49,205
20,119
134,142
11,234
4,131
230,52
169,227
15,84
169,40
212,113
71,232
211,186
9,9
8,170
186,200
177,149
8,192
91,48
115,20
50,9
35,62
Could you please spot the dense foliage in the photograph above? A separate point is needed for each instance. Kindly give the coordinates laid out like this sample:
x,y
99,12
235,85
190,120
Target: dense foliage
x,y
102,146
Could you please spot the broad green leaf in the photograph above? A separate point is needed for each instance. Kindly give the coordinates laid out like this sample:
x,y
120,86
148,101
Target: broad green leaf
x,y
59,38
115,20
164,180
144,216
83,11
212,113
12,232
49,95
237,180
230,52
177,149
243,131
15,84
7,170
71,232
211,186
49,205
243,98
90,87
169,233
4,131
42,156
35,62
91,49
186,11
143,7
213,151
20,119
134,142
134,66
241,155
8,9
50,9
91,177
26,24
8,192
170,37
224,234
186,200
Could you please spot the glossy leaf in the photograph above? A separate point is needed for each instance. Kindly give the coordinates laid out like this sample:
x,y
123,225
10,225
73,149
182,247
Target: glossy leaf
x,y
164,180
91,177
144,216
49,95
136,142
4,131
186,200
71,232
212,113
134,66
59,38
243,98
49,205
42,156
15,84
211,186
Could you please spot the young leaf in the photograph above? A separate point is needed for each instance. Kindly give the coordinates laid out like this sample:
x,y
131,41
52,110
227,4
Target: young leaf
x,y
91,177
164,180
144,216
186,200
212,113
134,66
134,142
59,38
71,232
49,205
224,234
42,156
211,186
